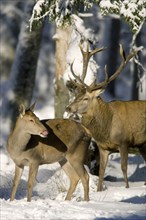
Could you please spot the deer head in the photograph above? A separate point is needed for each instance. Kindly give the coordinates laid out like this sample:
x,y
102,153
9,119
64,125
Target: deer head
x,y
85,94
30,122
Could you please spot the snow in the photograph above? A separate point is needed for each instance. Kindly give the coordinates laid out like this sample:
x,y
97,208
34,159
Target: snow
x,y
142,88
107,4
115,202
129,10
38,7
74,54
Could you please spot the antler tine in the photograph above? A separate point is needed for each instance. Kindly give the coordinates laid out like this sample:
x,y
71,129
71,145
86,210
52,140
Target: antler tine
x,y
101,84
131,55
86,57
107,80
125,60
74,87
96,50
104,83
90,53
77,86
77,77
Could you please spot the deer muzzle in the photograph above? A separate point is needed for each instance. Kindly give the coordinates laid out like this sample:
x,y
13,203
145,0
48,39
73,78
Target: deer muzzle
x,y
44,133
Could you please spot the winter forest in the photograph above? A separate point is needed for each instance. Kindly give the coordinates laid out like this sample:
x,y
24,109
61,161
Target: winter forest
x,y
40,48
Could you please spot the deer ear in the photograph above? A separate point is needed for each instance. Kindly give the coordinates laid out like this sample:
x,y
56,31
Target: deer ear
x,y
98,92
22,110
32,106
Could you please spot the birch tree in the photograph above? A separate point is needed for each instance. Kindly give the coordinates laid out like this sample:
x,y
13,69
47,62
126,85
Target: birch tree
x,y
62,38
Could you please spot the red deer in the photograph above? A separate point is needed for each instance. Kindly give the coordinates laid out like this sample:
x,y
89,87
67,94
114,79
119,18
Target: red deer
x,y
115,125
33,143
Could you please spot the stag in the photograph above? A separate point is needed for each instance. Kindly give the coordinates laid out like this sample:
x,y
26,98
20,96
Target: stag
x,y
34,142
116,125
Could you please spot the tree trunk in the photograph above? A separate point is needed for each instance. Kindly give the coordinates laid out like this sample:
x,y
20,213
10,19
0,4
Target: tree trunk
x,y
11,15
62,38
135,72
113,52
23,71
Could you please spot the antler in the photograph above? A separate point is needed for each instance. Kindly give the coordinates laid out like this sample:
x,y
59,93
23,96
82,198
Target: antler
x,y
86,57
125,60
76,86
79,83
81,86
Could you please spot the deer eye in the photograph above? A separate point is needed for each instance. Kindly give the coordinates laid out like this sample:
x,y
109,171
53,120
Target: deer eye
x,y
85,99
31,120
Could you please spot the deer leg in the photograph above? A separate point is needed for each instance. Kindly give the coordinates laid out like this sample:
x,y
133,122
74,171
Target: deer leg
x,y
33,169
18,173
85,183
83,175
124,158
74,178
142,151
77,160
103,162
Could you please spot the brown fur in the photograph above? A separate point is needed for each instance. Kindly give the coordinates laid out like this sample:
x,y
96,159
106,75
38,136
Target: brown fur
x,y
116,125
67,144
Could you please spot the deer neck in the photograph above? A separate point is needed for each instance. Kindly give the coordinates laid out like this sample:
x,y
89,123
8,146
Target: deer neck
x,y
98,118
17,141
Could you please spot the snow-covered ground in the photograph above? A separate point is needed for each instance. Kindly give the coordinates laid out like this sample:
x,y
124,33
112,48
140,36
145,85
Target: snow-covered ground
x,y
115,202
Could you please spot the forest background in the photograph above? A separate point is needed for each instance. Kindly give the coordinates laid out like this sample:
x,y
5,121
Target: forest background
x,y
34,61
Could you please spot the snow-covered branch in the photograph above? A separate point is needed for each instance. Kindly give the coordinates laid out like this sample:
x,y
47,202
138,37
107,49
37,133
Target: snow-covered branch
x,y
133,11
59,11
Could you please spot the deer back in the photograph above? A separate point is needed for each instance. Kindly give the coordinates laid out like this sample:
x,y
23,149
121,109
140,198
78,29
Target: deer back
x,y
61,127
129,121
